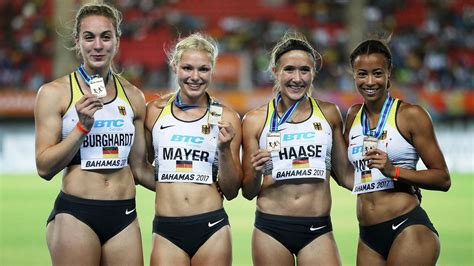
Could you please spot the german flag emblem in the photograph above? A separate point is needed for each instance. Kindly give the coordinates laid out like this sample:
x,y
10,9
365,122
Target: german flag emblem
x,y
301,163
317,126
184,166
122,110
109,152
366,176
384,135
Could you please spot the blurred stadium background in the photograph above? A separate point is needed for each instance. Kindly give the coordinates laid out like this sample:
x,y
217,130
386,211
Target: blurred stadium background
x,y
432,45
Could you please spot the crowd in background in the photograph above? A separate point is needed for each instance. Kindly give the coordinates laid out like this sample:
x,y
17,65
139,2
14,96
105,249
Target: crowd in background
x,y
432,41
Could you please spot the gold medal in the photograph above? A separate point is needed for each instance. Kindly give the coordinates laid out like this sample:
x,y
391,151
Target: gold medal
x,y
370,143
273,141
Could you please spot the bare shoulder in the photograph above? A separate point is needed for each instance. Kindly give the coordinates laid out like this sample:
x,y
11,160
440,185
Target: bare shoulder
x,y
324,104
256,116
411,111
130,89
354,109
254,121
230,113
412,117
54,92
58,86
331,112
352,112
153,110
327,107
158,102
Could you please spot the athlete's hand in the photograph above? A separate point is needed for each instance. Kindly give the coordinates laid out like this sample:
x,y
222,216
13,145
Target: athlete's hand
x,y
226,134
379,159
86,108
259,158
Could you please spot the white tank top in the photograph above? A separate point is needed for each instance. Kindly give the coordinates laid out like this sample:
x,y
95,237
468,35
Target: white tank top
x,y
185,151
305,147
400,152
109,142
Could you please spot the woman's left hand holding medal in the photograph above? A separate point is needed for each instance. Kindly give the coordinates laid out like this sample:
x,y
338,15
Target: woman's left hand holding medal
x,y
379,159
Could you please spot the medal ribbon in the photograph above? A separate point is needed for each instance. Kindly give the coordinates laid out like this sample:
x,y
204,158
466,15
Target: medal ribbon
x,y
377,132
185,106
85,76
275,122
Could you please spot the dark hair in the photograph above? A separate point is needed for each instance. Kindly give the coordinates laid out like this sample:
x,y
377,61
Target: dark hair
x,y
372,47
293,44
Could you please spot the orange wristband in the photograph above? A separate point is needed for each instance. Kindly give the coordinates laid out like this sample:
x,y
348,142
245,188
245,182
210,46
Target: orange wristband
x,y
397,173
82,128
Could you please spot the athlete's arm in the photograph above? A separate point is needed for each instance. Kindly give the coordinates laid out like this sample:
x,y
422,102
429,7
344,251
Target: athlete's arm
x,y
142,170
228,144
342,170
150,119
52,154
253,159
415,124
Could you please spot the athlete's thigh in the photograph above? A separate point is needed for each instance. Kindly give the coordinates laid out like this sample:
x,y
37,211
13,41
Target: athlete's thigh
x,y
321,251
415,245
266,250
217,250
125,248
368,256
164,252
72,242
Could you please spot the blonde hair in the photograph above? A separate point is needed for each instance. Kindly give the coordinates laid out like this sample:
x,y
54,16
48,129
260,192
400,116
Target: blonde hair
x,y
195,41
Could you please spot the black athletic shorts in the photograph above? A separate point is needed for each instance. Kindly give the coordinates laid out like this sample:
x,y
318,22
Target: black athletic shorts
x,y
380,237
189,233
293,232
105,217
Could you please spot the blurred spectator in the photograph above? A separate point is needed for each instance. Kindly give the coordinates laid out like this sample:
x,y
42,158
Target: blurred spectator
x,y
25,43
432,41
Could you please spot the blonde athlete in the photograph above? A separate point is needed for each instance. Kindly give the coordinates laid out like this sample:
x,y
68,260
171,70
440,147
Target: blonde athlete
x,y
194,142
386,138
290,147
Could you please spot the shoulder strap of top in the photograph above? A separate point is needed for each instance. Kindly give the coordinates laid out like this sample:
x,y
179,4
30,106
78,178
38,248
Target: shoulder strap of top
x,y
393,113
316,110
76,92
270,108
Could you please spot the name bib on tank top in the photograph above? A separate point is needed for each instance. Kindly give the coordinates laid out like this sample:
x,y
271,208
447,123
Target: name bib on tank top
x,y
185,165
300,157
371,180
185,152
300,150
111,137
